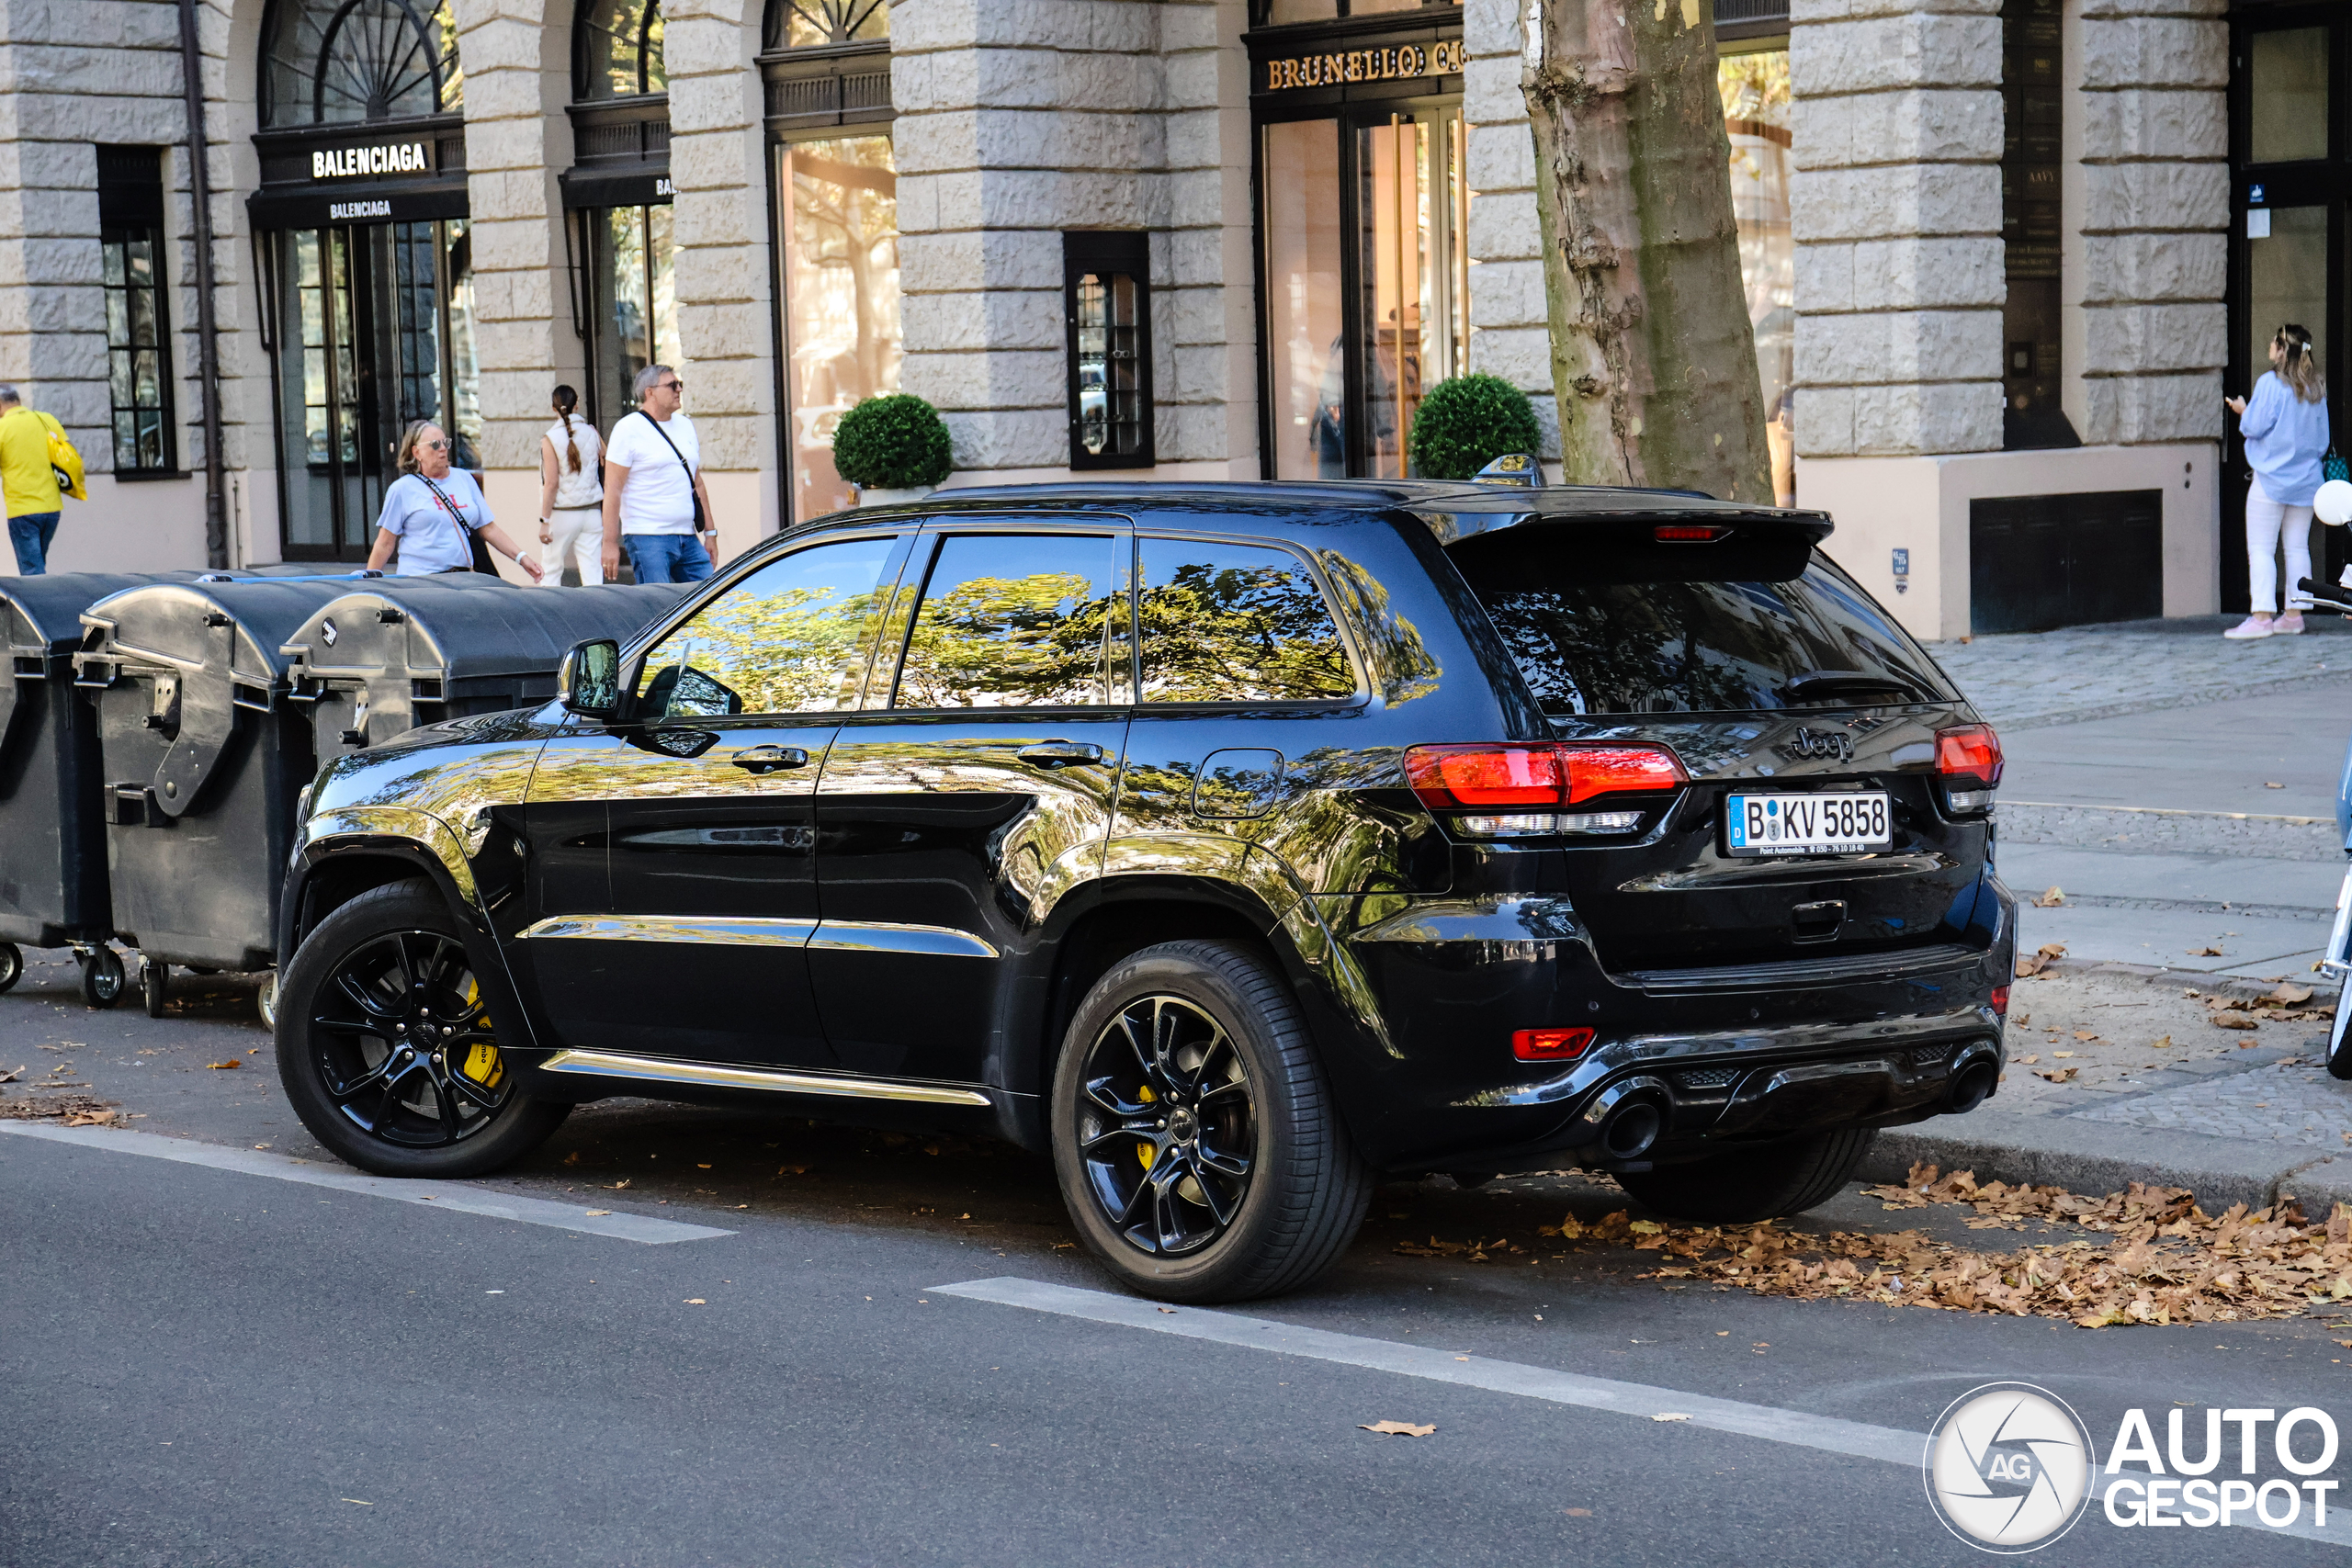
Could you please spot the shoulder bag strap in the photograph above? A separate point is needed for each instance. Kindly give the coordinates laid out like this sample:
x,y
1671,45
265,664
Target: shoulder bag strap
x,y
692,495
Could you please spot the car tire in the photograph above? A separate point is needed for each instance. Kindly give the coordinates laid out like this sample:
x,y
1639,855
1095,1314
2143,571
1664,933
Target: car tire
x,y
12,966
156,985
1755,1184
1226,1054
381,1040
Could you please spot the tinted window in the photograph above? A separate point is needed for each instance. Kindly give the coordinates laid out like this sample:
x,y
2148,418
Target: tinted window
x,y
1600,629
791,638
1236,624
1011,620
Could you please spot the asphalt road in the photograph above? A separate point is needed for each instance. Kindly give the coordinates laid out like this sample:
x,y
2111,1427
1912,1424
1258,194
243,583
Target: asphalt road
x,y
204,1365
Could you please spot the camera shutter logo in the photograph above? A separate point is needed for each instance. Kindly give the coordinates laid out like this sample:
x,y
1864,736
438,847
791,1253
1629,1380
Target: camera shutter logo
x,y
2009,1467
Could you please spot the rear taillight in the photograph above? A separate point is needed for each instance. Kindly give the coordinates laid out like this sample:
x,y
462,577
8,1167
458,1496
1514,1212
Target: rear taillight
x,y
1687,534
1969,758
1514,788
1550,1044
2001,1001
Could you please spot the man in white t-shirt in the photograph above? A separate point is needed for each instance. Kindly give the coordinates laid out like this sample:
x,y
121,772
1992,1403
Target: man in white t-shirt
x,y
655,499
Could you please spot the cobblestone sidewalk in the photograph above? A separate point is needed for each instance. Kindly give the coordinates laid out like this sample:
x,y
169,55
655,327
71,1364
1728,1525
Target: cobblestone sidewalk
x,y
2033,680
2289,1103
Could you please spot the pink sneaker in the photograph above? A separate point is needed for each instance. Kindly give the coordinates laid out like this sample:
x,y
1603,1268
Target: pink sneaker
x,y
2289,624
2251,628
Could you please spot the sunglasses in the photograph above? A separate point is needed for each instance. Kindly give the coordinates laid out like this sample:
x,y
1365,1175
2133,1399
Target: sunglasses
x,y
669,386
442,445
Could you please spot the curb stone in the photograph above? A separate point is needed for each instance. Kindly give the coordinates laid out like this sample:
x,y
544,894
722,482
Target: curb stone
x,y
2235,987
2096,1158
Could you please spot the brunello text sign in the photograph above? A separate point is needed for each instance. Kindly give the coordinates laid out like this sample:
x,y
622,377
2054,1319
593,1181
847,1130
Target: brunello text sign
x,y
357,163
1391,63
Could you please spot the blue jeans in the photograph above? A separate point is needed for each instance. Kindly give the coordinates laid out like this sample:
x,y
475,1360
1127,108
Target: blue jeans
x,y
667,558
30,534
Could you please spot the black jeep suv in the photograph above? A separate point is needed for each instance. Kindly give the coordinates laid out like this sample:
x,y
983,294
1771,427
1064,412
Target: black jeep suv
x,y
1234,844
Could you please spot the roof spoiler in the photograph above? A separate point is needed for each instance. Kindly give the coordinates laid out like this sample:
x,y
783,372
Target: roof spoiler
x,y
1620,514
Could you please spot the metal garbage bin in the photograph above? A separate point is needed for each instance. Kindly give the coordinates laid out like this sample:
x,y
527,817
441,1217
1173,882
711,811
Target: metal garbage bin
x,y
203,755
52,821
381,660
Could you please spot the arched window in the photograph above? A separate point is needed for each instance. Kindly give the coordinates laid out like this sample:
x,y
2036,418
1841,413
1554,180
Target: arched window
x,y
333,61
619,50
811,24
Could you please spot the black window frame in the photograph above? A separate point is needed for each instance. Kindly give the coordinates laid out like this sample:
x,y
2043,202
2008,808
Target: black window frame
x,y
1120,252
130,210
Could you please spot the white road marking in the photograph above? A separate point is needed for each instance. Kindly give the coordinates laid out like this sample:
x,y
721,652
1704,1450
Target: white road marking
x,y
434,1194
1828,1434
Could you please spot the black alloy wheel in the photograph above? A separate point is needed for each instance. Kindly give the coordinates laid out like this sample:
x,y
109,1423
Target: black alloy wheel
x,y
1196,1144
388,1050
402,1045
1169,1128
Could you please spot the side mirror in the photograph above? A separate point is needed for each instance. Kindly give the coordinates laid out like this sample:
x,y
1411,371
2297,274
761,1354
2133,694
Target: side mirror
x,y
589,681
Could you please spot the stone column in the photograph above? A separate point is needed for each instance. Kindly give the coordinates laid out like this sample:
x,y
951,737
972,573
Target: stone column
x,y
724,268
1207,300
1510,329
2144,314
1896,209
518,78
1015,122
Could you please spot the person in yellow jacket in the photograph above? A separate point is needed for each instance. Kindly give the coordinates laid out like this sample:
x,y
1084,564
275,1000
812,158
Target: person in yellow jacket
x,y
29,471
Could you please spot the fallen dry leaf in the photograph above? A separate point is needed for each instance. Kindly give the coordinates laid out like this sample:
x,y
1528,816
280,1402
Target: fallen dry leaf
x,y
231,1062
2289,995
1397,1429
571,1159
1670,1416
2207,952
2057,1074
2052,899
2160,1043
2268,784
697,1302
594,1213
2029,1061
10,1077
792,1170
2233,1020
2041,958
2061,1056
623,1182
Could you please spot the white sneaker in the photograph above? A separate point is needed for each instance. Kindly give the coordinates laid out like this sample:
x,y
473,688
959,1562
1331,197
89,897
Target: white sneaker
x,y
2248,629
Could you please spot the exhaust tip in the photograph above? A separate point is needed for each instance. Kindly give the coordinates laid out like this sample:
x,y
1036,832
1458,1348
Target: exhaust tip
x,y
1632,1129
1973,1085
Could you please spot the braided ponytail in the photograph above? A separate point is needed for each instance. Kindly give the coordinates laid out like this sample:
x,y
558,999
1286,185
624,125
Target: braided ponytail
x,y
566,399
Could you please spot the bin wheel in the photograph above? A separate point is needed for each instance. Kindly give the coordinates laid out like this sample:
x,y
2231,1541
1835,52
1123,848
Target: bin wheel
x,y
102,978
156,985
12,965
267,1000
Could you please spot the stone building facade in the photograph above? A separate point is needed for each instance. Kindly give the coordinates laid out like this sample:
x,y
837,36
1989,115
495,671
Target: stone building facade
x,y
2001,254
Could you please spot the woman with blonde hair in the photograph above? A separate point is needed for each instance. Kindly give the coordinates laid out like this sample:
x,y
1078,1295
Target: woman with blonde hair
x,y
2284,426
433,512
572,495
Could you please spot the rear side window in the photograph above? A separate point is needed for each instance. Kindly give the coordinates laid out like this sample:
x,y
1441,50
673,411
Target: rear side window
x,y
1012,620
1601,627
791,638
1235,623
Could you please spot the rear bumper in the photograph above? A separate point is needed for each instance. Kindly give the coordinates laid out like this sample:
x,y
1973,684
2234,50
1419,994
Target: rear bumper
x,y
1727,1057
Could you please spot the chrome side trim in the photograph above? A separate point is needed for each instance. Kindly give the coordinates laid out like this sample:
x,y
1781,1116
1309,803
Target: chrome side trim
x,y
886,936
747,932
612,1064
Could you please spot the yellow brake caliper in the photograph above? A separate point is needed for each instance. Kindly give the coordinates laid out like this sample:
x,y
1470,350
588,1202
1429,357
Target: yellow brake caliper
x,y
1145,1152
482,1063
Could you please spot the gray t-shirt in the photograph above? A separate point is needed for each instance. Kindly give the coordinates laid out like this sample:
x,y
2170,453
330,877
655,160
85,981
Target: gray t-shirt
x,y
431,537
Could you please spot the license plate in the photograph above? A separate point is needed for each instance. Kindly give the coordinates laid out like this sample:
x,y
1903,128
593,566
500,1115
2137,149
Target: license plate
x,y
1806,824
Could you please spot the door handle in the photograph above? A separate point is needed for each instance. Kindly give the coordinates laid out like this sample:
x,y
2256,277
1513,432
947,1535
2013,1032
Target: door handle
x,y
1060,754
768,759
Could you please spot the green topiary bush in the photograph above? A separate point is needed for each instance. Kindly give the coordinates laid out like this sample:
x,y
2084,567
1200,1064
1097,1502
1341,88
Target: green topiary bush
x,y
1466,422
892,443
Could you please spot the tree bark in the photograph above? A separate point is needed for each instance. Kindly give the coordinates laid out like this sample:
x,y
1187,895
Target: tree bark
x,y
1653,354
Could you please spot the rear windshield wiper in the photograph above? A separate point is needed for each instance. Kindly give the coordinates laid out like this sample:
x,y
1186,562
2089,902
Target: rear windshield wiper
x,y
1816,685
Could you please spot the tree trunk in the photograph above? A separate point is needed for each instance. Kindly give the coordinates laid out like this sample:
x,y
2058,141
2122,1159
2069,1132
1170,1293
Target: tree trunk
x,y
1652,355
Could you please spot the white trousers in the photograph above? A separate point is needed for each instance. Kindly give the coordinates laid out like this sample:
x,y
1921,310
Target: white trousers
x,y
578,542
2269,525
